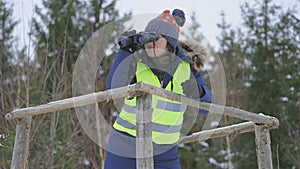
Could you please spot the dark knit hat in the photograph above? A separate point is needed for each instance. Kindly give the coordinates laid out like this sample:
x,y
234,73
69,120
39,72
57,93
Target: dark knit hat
x,y
168,25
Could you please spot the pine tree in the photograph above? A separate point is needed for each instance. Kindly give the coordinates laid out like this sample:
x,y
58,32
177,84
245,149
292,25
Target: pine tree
x,y
270,44
7,81
286,54
274,44
235,66
60,31
7,25
206,152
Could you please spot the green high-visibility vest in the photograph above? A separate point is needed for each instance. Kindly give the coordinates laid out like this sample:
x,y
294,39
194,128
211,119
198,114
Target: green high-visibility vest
x,y
167,115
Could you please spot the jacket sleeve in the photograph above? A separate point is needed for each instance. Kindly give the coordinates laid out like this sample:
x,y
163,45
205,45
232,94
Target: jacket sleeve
x,y
207,95
118,73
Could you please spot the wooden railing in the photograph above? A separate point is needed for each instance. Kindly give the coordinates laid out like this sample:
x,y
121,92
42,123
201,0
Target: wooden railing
x,y
259,123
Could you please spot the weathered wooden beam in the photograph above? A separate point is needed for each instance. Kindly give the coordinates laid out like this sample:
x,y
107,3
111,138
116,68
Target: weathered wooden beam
x,y
263,147
130,90
144,147
21,146
218,132
230,111
72,102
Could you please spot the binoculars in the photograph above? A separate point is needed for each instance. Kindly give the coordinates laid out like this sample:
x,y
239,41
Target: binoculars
x,y
138,39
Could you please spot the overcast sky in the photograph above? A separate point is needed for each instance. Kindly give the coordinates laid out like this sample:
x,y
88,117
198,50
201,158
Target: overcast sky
x,y
208,12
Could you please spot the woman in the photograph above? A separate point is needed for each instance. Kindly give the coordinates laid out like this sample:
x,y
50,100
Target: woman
x,y
161,63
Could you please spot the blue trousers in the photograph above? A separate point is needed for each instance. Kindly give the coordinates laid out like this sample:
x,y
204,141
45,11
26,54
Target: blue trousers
x,y
120,153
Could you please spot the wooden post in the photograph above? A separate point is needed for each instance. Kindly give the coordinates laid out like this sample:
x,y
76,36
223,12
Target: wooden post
x,y
144,147
263,147
20,153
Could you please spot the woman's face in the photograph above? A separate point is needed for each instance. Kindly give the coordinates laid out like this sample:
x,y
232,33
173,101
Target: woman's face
x,y
160,47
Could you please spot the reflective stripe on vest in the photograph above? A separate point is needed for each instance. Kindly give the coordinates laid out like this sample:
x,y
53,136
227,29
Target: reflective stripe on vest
x,y
167,115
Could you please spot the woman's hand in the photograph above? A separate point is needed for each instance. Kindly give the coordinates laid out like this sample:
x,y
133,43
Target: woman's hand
x,y
125,41
191,88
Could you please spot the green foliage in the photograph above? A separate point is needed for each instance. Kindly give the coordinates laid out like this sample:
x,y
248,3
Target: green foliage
x,y
60,31
7,138
261,62
7,25
269,81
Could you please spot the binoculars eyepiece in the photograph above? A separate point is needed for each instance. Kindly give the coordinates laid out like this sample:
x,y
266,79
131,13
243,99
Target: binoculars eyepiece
x,y
138,39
